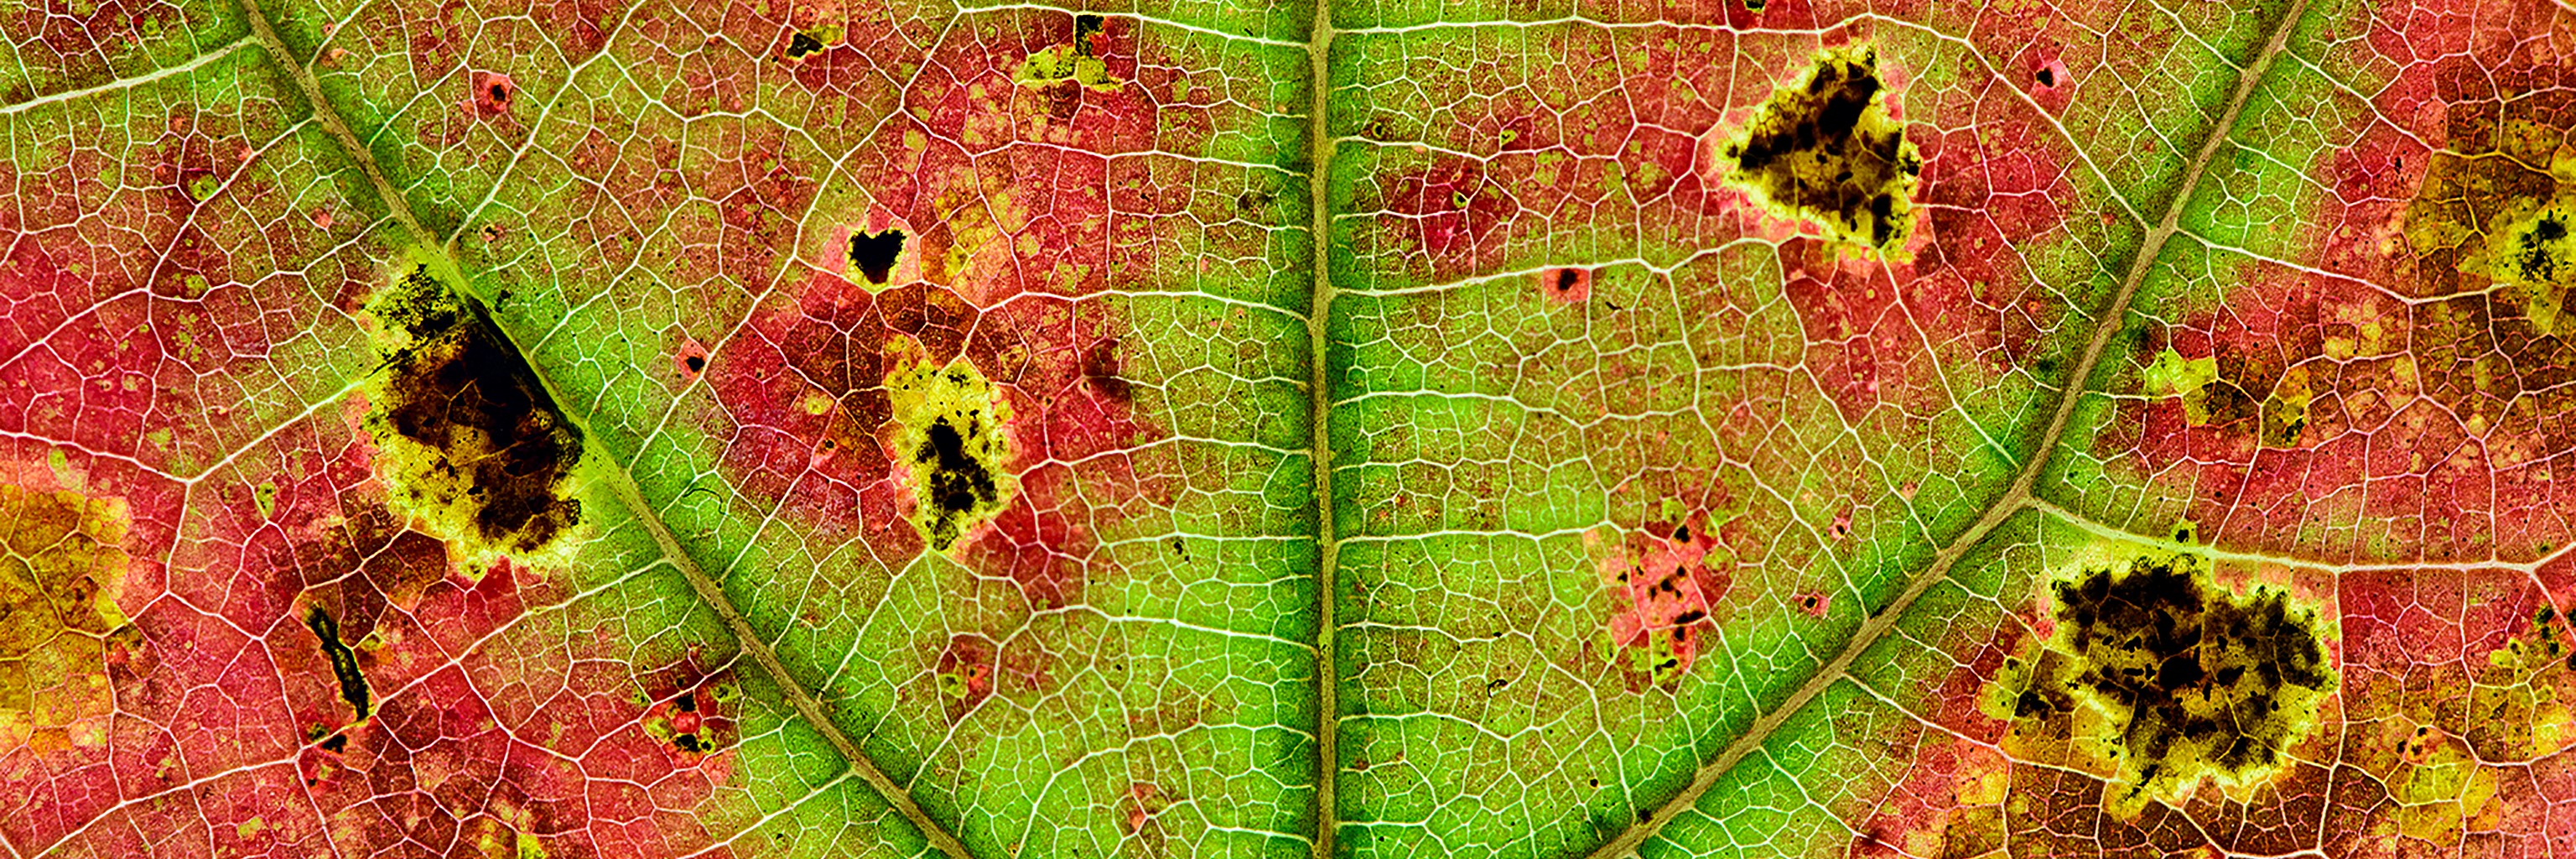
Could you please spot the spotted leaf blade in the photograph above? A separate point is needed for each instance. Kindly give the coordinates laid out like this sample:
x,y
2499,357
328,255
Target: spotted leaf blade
x,y
1352,429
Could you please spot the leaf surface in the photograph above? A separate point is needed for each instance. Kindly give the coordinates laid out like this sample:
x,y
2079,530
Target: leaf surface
x,y
1515,429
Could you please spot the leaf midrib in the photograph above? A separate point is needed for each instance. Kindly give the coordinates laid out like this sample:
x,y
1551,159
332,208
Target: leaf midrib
x,y
1319,314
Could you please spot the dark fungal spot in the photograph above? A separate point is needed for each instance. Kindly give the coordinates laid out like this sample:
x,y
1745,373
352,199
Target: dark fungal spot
x,y
697,363
335,744
801,45
687,743
959,484
2535,257
951,436
493,453
1824,149
2046,76
875,255
344,662
1084,26
1567,285
491,92
2197,681
1101,366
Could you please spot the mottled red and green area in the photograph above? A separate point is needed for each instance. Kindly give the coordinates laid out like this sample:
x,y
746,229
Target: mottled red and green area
x,y
1319,428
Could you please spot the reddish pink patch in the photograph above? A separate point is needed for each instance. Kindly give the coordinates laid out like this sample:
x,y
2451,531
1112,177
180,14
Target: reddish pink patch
x,y
690,360
1666,588
805,388
1454,211
1858,333
1568,285
967,665
491,93
1143,801
1814,602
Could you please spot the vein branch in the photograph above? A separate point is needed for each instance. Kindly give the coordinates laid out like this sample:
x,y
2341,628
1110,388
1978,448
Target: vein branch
x,y
620,481
2017,496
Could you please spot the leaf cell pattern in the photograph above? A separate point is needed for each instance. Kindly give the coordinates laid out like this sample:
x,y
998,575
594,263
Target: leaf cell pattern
x,y
1365,428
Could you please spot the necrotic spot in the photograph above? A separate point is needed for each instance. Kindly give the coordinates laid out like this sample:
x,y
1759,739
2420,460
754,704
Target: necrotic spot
x,y
2197,674
1823,149
959,483
875,255
344,662
496,451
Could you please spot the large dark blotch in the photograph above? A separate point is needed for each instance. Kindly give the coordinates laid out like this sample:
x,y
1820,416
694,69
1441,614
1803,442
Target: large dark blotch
x,y
875,255
1826,150
2199,681
959,483
504,451
344,661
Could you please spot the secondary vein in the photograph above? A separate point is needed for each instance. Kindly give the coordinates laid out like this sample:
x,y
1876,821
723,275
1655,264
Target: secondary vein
x,y
620,482
2015,498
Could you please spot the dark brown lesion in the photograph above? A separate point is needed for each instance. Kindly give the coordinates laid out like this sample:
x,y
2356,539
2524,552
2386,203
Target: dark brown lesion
x,y
960,484
2197,681
344,661
801,45
498,449
1824,149
874,254
1101,366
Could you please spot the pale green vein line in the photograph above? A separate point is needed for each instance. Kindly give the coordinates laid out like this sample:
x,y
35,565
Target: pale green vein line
x,y
1328,699
2109,531
620,480
198,62
2015,498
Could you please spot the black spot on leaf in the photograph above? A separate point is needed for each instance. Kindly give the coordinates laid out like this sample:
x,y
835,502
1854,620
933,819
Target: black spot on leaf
x,y
875,255
959,484
494,455
1824,149
801,45
2198,681
344,662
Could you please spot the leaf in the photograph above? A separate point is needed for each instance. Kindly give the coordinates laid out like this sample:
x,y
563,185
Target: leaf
x,y
1350,429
